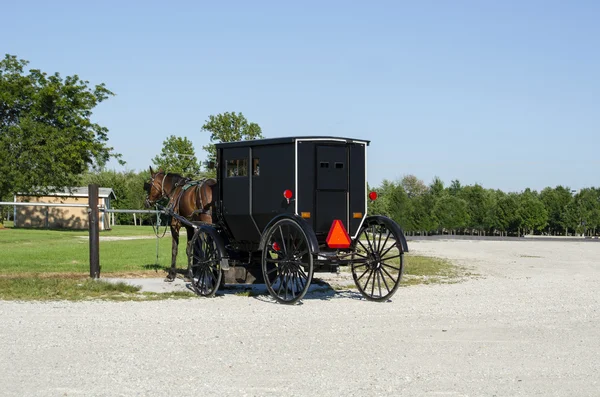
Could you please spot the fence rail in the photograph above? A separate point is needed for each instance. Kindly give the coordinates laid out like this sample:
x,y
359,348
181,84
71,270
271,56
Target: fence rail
x,y
75,205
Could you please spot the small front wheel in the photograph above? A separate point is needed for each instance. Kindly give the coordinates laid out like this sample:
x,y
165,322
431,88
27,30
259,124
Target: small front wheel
x,y
204,264
287,262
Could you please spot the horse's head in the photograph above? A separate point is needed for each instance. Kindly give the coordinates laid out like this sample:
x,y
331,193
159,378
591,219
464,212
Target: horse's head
x,y
155,188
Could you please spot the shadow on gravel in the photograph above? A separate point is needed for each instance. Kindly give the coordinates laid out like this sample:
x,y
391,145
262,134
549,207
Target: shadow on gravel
x,y
319,290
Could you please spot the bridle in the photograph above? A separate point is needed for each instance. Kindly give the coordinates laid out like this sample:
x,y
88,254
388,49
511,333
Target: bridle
x,y
162,188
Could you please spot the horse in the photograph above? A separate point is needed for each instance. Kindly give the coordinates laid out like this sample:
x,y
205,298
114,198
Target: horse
x,y
190,199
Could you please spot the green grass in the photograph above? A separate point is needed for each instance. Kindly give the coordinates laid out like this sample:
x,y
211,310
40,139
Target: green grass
x,y
428,270
52,289
54,265
424,270
34,251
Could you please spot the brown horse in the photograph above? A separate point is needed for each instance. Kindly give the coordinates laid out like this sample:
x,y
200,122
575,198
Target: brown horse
x,y
190,199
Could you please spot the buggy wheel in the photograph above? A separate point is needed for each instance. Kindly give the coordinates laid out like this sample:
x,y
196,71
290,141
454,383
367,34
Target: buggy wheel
x,y
287,262
205,264
378,260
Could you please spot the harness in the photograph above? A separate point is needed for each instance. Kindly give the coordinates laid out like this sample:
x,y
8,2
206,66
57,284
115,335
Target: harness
x,y
183,184
197,197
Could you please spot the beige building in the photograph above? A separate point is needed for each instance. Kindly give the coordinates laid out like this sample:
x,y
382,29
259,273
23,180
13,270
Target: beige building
x,y
61,217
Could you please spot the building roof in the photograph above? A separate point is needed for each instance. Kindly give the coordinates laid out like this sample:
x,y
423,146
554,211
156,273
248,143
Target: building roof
x,y
291,139
82,191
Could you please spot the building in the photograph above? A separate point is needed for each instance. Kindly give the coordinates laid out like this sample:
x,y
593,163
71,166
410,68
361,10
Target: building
x,y
61,217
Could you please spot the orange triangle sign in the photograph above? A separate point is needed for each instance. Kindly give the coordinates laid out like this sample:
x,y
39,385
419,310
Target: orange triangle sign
x,y
338,237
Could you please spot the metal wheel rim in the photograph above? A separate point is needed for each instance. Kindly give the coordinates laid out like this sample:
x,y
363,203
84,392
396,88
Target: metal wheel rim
x,y
292,264
205,269
375,271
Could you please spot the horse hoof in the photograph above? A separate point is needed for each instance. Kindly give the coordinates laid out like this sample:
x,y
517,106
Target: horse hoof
x,y
169,279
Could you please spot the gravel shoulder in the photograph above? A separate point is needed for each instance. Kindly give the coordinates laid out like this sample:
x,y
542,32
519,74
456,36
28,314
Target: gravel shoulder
x,y
528,325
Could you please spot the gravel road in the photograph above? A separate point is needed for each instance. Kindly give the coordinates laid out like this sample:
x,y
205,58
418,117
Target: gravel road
x,y
528,325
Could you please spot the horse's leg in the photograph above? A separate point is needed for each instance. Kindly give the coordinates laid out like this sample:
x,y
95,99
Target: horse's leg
x,y
190,235
175,226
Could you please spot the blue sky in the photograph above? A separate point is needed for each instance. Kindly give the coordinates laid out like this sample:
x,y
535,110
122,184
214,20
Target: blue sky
x,y
501,93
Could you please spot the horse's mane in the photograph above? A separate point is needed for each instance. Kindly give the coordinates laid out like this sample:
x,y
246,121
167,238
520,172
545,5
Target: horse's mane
x,y
175,175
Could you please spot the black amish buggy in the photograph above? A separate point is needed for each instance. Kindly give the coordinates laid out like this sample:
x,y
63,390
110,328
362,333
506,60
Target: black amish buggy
x,y
289,207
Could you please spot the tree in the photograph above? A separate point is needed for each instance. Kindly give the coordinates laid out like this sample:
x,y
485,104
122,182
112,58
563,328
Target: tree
x,y
413,186
451,212
532,212
583,212
455,187
178,156
399,206
479,204
506,216
556,201
227,127
129,190
47,138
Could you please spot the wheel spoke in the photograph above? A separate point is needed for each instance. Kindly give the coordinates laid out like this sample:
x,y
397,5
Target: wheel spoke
x,y
386,240
390,276
390,266
283,241
371,249
378,283
389,249
391,257
361,276
384,282
379,241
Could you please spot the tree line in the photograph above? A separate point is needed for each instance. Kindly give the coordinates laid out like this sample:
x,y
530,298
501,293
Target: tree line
x,y
48,142
456,209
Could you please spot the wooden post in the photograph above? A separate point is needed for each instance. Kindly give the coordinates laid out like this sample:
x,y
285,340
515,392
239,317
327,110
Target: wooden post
x,y
94,231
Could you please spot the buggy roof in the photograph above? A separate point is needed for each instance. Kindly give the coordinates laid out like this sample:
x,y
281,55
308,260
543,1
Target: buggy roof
x,y
279,141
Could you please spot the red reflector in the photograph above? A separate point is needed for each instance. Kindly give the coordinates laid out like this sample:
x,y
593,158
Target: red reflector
x,y
276,247
338,237
373,196
288,194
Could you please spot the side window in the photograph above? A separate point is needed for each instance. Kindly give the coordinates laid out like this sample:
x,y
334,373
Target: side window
x,y
237,167
255,167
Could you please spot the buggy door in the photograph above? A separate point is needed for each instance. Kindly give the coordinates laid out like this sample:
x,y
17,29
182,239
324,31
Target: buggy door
x,y
235,193
332,186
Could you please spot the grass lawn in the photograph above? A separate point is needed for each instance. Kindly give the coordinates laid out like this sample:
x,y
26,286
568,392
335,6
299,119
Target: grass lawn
x,y
33,251
54,264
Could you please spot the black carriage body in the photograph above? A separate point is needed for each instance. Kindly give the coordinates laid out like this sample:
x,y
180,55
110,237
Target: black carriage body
x,y
326,175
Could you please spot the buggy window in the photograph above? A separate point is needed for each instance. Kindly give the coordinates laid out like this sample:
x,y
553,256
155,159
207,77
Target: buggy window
x,y
237,167
255,167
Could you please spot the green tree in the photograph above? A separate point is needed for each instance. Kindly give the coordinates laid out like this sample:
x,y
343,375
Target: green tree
x,y
556,201
128,187
451,212
506,216
227,127
399,206
178,156
47,137
583,212
455,187
532,212
413,186
479,205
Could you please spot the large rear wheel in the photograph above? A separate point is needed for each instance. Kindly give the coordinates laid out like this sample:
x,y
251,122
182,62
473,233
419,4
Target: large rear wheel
x,y
378,260
287,262
205,264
